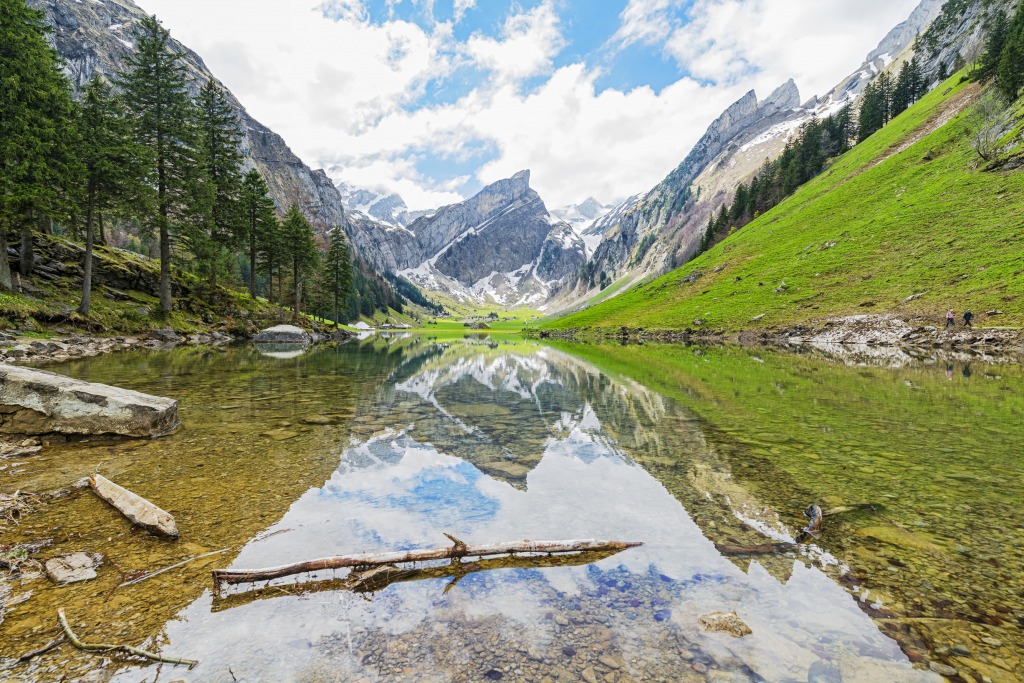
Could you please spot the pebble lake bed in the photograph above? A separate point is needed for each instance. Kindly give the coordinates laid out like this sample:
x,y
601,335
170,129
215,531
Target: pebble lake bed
x,y
706,455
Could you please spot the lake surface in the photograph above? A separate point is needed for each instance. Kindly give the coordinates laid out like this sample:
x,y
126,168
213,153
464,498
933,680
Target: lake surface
x,y
701,454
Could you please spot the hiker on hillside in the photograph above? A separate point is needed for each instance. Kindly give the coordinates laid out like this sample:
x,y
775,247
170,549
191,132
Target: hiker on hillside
x,y
950,319
967,318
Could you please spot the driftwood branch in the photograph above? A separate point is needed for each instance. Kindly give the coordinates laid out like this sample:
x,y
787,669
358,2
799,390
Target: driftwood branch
x,y
105,647
454,552
42,650
173,566
381,577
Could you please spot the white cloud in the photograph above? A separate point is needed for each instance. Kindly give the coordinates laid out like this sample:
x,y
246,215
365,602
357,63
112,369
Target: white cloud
x,y
461,7
528,43
347,94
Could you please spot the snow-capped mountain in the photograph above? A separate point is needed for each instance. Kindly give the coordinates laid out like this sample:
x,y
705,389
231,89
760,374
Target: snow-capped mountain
x,y
386,208
500,246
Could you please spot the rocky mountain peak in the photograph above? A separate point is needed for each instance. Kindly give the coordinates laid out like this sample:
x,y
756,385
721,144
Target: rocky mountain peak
x,y
784,98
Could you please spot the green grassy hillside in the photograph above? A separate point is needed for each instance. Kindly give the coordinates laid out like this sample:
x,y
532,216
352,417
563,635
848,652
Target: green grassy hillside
x,y
906,212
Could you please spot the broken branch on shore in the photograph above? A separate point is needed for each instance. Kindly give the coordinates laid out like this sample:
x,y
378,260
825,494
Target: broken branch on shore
x,y
105,647
381,577
137,509
457,551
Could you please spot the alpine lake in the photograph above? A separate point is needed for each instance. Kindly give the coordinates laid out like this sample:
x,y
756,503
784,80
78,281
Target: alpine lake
x,y
708,456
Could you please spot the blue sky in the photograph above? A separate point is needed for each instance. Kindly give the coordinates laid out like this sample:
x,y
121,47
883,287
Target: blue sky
x,y
435,98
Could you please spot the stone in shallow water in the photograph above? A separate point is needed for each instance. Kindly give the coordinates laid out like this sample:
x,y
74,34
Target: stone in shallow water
x,y
73,568
725,622
39,402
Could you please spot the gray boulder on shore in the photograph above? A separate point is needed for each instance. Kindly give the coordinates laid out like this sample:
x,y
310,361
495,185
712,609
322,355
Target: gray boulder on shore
x,y
283,334
40,402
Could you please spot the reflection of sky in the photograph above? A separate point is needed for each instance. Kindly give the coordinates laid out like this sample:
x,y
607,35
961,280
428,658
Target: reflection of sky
x,y
392,492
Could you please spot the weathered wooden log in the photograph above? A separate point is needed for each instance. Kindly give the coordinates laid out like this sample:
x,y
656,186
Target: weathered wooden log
x,y
384,575
106,647
137,509
455,552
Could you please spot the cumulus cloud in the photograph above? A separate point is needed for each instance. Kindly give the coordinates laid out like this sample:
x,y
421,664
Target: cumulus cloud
x,y
528,43
356,94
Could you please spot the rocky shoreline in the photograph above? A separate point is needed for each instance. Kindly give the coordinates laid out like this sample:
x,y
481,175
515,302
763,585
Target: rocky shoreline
x,y
20,349
852,333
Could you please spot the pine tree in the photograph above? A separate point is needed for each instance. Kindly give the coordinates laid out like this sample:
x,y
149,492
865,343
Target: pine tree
x,y
997,31
218,227
259,220
337,271
156,93
1010,72
37,132
298,247
111,161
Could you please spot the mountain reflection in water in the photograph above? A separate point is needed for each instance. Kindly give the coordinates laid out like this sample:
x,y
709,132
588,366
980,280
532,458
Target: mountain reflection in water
x,y
518,441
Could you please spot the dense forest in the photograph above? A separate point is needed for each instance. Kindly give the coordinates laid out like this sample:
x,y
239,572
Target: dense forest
x,y
140,163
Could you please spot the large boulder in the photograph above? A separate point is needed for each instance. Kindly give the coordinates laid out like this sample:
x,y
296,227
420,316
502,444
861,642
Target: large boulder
x,y
283,334
39,402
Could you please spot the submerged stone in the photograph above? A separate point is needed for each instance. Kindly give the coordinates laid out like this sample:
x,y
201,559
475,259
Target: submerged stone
x,y
727,622
73,567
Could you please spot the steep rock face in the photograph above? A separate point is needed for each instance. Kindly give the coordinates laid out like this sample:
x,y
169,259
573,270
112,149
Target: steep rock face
x,y
94,37
501,245
957,35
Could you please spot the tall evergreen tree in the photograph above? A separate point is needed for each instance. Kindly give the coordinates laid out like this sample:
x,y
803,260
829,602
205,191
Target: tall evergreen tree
x,y
37,164
259,221
156,92
218,228
995,41
1010,72
298,248
337,272
111,161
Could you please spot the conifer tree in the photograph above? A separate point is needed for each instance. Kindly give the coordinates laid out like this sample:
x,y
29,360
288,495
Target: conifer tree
x,y
259,221
1010,72
37,164
111,165
218,227
156,93
994,43
298,248
337,271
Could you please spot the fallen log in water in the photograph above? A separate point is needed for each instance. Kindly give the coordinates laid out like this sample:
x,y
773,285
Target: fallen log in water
x,y
137,509
381,577
454,552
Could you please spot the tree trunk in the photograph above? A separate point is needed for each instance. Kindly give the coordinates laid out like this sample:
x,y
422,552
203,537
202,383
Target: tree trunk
x,y
87,267
102,239
6,280
27,257
295,275
252,262
165,264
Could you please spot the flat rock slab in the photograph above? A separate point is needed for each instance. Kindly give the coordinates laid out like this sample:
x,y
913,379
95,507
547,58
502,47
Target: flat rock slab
x,y
40,402
283,334
137,509
73,568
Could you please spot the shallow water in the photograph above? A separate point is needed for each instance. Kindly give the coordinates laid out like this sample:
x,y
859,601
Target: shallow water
x,y
387,444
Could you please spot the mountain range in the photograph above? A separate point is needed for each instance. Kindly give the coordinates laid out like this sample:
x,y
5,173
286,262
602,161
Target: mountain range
x,y
504,246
